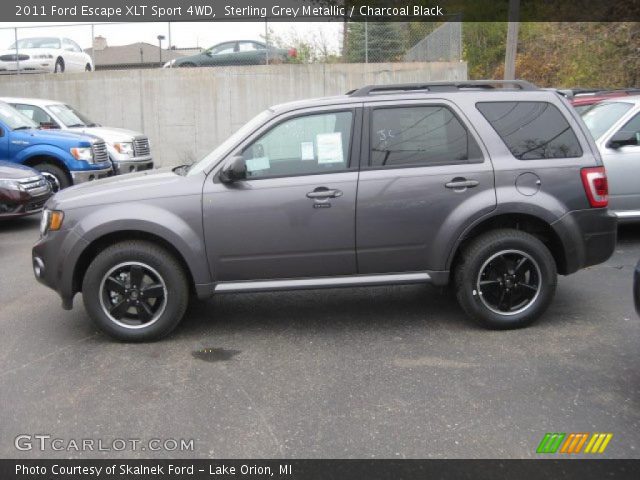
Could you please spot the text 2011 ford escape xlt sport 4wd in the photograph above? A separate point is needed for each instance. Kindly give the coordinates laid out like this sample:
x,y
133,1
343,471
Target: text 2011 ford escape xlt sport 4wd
x,y
494,187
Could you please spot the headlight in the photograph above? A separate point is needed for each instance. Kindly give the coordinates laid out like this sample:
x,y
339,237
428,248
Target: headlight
x,y
83,153
42,56
124,148
11,185
51,221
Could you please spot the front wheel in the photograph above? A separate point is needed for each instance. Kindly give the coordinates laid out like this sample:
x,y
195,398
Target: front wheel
x,y
135,291
57,177
505,279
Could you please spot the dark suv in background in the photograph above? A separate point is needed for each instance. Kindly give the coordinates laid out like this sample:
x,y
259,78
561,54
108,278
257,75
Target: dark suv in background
x,y
492,187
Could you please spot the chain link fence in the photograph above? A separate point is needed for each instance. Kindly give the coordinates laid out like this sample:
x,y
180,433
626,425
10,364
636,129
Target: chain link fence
x,y
112,46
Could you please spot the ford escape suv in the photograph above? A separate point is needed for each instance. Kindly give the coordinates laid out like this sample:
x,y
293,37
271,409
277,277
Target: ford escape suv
x,y
491,187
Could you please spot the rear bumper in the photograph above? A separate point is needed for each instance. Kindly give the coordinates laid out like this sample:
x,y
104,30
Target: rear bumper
x,y
588,237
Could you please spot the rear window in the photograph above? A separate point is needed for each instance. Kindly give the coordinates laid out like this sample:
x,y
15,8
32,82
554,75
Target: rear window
x,y
532,130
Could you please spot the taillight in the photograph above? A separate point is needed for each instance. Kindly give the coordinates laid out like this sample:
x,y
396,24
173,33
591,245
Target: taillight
x,y
293,53
596,187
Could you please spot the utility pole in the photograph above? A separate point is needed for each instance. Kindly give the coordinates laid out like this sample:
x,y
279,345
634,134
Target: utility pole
x,y
512,40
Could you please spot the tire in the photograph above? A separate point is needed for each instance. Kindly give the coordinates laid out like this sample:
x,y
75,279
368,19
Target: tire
x,y
187,65
518,275
58,178
59,68
122,315
87,68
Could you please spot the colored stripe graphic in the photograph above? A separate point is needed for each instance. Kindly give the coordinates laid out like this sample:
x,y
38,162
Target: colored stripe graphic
x,y
574,443
598,443
550,443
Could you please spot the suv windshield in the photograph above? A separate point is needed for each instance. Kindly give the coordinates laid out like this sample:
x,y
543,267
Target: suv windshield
x,y
15,120
601,117
209,160
39,42
70,117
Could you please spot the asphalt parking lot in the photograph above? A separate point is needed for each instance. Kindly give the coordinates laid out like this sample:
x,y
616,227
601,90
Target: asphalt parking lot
x,y
372,372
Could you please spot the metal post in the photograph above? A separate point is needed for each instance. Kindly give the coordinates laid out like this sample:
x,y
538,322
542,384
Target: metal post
x,y
15,33
169,34
266,40
512,40
366,43
93,46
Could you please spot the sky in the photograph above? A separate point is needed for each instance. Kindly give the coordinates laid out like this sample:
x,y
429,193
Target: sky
x,y
183,34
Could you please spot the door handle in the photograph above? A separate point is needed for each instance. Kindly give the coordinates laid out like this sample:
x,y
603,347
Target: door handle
x,y
461,183
323,192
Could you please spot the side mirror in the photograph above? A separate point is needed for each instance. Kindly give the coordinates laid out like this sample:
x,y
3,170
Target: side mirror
x,y
623,139
235,170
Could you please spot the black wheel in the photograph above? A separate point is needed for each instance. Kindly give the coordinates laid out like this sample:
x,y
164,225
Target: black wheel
x,y
187,65
57,178
87,68
135,291
505,279
59,68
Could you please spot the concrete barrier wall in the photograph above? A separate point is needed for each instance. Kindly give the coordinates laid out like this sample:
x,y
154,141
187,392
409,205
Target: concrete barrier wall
x,y
187,112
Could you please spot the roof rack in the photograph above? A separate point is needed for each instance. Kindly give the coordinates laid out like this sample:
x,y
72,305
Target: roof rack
x,y
442,87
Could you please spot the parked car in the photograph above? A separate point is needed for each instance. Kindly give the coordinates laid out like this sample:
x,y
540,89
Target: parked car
x,y
23,190
64,158
128,150
636,288
582,99
45,54
615,126
493,190
241,52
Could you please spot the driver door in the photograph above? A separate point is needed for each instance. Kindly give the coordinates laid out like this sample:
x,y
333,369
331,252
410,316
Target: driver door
x,y
293,215
623,168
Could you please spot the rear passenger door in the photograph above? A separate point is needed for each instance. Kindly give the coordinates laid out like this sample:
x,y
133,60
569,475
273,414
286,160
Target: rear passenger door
x,y
424,174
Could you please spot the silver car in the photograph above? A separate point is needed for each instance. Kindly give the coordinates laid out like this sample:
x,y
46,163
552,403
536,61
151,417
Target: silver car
x,y
615,126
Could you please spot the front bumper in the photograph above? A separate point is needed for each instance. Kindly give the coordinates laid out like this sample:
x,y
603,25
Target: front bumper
x,y
81,176
51,257
19,204
32,65
133,165
588,237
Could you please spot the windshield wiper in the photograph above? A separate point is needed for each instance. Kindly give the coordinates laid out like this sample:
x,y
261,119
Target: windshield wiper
x,y
93,125
23,127
76,125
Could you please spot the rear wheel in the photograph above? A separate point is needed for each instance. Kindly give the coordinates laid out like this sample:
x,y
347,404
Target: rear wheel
x,y
57,177
87,68
505,279
135,291
59,68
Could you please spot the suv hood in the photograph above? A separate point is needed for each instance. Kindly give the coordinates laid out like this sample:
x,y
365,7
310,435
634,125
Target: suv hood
x,y
15,171
109,134
132,187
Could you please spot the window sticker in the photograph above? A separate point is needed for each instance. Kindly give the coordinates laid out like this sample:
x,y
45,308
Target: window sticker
x,y
257,164
329,147
306,151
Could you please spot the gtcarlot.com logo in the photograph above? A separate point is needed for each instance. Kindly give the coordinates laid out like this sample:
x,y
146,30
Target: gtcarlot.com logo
x,y
44,442
574,443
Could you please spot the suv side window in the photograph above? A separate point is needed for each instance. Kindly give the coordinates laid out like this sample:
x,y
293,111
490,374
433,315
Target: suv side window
x,y
315,143
420,136
632,126
532,130
36,114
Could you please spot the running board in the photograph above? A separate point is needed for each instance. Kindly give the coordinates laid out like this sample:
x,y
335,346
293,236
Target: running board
x,y
322,282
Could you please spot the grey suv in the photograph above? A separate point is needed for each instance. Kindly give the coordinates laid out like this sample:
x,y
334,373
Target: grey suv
x,y
492,187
